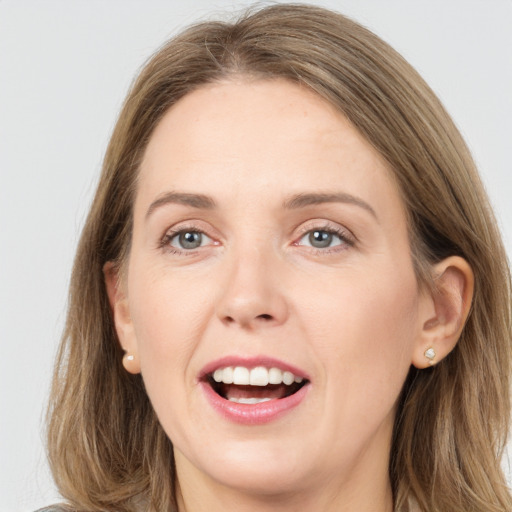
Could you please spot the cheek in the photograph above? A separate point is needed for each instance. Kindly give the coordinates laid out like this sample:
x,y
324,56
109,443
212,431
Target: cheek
x,y
168,317
168,324
365,330
360,312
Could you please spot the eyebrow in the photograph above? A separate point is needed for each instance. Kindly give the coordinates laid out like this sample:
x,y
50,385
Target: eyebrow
x,y
204,202
309,199
199,201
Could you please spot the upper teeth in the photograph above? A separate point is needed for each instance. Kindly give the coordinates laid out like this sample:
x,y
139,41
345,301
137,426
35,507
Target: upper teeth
x,y
259,376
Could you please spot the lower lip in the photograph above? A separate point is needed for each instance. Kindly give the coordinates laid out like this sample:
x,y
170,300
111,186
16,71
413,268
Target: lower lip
x,y
254,414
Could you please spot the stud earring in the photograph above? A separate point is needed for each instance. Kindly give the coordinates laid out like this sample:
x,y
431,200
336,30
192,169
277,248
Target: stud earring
x,y
130,364
430,354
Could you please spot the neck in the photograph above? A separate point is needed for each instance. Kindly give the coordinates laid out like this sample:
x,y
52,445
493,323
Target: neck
x,y
365,491
334,502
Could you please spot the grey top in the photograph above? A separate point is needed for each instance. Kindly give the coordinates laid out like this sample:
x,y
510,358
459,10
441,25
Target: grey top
x,y
53,508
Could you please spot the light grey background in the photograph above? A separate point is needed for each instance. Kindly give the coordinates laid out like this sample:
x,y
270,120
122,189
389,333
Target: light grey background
x,y
65,67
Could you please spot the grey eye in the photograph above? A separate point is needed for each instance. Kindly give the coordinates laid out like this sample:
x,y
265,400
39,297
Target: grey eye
x,y
189,240
321,239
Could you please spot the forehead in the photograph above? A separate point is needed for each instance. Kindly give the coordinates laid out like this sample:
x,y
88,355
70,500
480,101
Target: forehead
x,y
266,137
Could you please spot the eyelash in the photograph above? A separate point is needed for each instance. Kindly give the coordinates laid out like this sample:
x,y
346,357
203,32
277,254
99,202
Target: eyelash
x,y
346,238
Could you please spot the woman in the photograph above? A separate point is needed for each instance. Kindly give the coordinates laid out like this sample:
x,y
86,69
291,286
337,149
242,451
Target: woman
x,y
290,293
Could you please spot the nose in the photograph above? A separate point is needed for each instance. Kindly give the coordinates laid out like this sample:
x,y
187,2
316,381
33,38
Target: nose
x,y
252,296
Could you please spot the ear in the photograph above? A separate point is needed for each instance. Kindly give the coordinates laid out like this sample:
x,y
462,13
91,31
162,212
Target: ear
x,y
445,311
116,291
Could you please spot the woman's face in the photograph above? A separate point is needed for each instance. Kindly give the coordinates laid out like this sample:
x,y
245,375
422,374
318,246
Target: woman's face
x,y
270,243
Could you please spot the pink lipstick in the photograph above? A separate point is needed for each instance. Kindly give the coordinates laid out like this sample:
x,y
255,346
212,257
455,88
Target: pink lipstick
x,y
253,391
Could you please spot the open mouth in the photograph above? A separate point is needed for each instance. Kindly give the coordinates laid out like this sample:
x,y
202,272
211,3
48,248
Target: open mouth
x,y
253,386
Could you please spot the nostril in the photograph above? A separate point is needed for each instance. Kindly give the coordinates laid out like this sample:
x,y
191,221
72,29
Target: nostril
x,y
265,317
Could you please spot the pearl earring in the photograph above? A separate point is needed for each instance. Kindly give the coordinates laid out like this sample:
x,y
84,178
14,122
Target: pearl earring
x,y
130,363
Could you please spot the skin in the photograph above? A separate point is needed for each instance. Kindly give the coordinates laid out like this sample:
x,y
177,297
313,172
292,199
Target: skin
x,y
352,315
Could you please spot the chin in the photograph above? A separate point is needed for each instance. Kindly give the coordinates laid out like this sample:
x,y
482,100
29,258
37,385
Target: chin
x,y
263,468
262,481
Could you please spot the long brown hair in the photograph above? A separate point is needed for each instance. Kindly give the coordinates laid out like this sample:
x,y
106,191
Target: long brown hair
x,y
106,448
